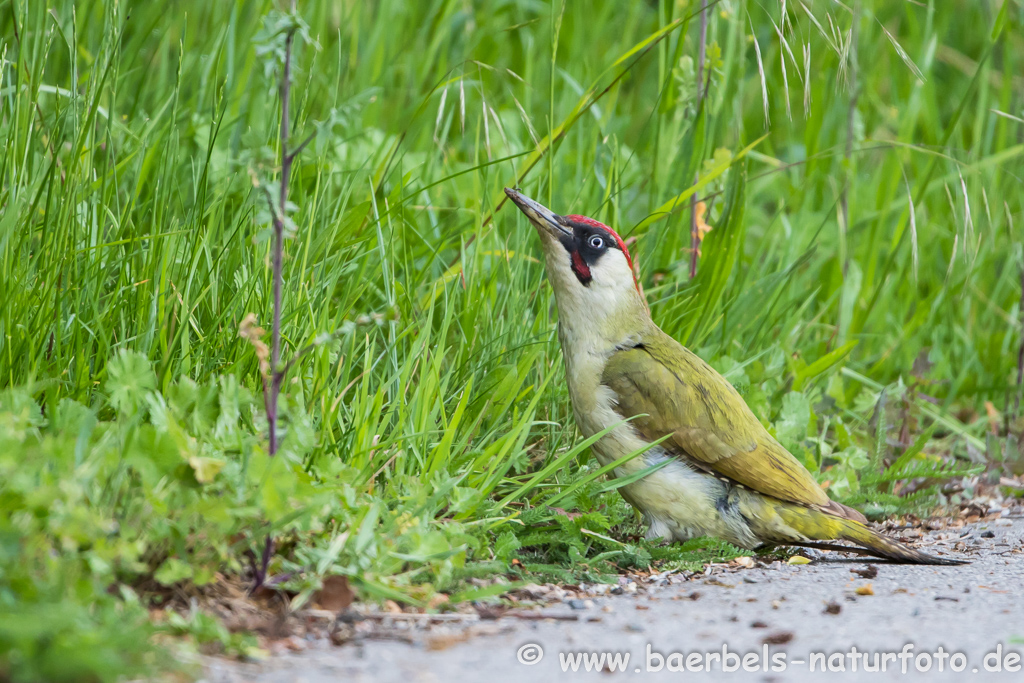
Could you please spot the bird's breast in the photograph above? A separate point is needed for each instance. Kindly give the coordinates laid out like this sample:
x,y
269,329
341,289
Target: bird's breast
x,y
678,501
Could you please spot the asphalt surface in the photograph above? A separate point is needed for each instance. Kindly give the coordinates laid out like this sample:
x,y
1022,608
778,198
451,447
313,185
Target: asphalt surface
x,y
801,615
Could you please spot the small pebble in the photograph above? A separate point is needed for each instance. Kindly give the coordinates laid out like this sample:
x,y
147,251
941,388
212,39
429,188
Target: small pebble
x,y
778,638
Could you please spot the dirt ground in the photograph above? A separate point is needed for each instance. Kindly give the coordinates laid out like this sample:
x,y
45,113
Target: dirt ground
x,y
809,614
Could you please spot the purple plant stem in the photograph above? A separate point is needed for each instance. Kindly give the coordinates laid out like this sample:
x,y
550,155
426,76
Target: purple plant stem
x,y
273,388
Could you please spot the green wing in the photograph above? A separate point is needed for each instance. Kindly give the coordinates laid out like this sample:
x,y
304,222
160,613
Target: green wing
x,y
709,422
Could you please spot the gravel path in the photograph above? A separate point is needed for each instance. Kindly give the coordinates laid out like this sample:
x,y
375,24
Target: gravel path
x,y
790,610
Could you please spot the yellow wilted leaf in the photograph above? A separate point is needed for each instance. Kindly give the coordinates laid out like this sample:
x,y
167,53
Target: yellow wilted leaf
x,y
702,227
798,559
251,332
205,468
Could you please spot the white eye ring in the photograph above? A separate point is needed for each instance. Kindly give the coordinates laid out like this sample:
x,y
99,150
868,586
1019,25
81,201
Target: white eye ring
x,y
595,242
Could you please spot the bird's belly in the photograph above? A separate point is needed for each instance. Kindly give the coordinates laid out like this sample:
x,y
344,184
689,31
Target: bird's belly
x,y
677,501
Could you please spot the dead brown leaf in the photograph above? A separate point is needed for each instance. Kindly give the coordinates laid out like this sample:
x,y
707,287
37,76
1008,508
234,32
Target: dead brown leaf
x,y
437,600
444,641
993,417
869,572
336,594
565,513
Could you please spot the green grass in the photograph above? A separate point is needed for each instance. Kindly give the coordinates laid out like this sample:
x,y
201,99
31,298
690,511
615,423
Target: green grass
x,y
430,441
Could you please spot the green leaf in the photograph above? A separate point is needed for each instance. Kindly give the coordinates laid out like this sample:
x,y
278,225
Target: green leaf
x,y
172,571
793,418
129,378
720,251
822,364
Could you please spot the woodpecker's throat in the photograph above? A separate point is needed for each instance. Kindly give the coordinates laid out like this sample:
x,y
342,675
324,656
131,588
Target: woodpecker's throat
x,y
588,243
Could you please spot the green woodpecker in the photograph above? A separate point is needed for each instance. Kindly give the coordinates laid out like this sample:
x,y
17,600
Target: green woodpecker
x,y
727,476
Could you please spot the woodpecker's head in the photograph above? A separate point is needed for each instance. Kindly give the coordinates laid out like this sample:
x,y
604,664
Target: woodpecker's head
x,y
589,267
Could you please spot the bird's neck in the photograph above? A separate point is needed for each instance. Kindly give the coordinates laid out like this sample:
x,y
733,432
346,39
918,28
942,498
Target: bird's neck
x,y
599,319
589,335
597,316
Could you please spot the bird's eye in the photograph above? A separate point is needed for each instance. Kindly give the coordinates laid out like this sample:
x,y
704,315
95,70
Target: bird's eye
x,y
595,242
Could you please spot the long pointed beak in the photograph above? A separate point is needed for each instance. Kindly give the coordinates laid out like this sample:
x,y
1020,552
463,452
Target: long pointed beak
x,y
539,215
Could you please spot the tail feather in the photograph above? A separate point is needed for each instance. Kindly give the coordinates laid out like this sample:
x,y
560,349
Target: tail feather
x,y
834,522
889,548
